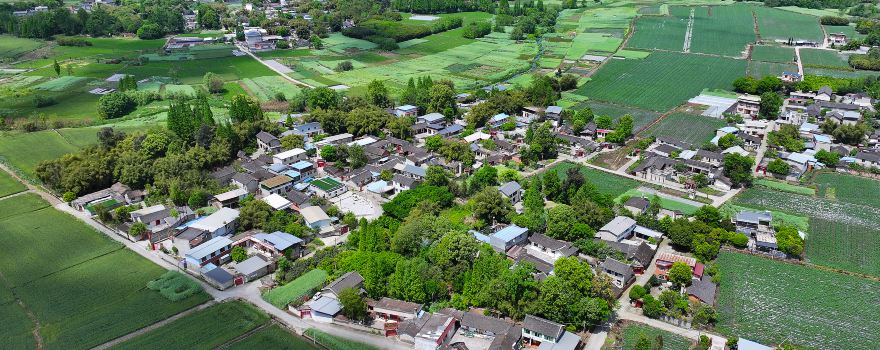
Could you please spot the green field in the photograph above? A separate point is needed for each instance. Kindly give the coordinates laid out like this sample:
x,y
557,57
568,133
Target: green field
x,y
25,151
664,33
826,58
336,343
631,332
9,185
24,203
837,73
273,337
845,213
777,54
11,47
606,183
296,289
662,80
779,24
722,30
848,188
204,329
770,301
84,288
690,128
664,202
758,69
265,88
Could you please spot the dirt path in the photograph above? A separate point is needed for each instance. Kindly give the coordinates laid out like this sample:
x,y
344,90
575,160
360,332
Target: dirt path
x,y
31,188
153,326
689,34
282,74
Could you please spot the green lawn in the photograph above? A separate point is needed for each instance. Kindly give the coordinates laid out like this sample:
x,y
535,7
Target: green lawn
x,y
273,337
296,289
606,183
9,185
662,80
786,187
690,128
205,329
770,301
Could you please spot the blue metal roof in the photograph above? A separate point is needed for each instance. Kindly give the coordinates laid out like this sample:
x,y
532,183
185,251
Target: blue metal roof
x,y
508,233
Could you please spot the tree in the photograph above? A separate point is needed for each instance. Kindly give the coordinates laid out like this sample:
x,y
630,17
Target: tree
x,y
213,83
322,98
292,141
551,184
738,168
637,292
789,241
244,108
150,30
484,176
643,343
651,307
490,206
680,274
441,99
728,141
137,229
560,223
254,214
517,34
356,156
57,67
377,94
115,105
238,254
778,167
353,305
830,159
770,103
316,42
127,83
436,176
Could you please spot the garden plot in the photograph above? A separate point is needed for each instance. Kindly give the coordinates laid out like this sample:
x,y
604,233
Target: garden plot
x,y
20,81
12,47
690,128
9,185
265,88
337,43
631,332
273,337
176,90
824,58
771,302
759,69
296,289
838,73
849,247
584,42
662,80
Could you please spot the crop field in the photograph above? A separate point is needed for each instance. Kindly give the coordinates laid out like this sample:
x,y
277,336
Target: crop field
x,y
722,30
265,88
783,25
205,329
60,83
631,332
848,247
179,90
690,128
666,203
84,288
664,33
850,31
296,289
844,213
9,185
848,188
606,183
662,80
12,47
779,218
273,337
770,302
837,73
777,54
632,54
584,42
760,69
826,58
336,343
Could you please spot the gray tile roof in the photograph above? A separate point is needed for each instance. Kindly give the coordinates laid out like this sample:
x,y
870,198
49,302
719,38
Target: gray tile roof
x,y
545,327
510,188
703,289
349,280
485,324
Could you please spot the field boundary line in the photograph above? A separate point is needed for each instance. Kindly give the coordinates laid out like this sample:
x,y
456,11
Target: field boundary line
x,y
153,326
38,338
245,335
689,33
16,194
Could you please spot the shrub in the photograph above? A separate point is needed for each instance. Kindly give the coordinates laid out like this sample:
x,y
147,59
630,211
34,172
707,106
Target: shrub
x,y
477,30
41,101
834,20
72,41
344,66
175,286
282,45
386,44
150,30
389,29
115,105
446,23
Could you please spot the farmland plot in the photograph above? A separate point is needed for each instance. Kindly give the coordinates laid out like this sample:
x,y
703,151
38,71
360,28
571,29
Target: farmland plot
x,y
848,188
662,80
665,33
759,69
778,24
671,341
777,54
606,183
641,117
848,247
265,88
723,30
824,58
273,337
9,185
690,128
770,301
844,213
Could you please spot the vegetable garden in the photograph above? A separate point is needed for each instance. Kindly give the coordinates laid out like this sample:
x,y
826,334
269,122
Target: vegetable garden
x,y
691,128
770,302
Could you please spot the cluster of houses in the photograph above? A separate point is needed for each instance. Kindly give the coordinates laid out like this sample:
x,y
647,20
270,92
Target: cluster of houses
x,y
411,324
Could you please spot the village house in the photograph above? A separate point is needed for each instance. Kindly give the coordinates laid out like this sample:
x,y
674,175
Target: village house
x,y
504,238
623,228
229,199
621,274
214,251
290,156
702,290
549,249
547,335
665,260
268,143
273,245
406,111
221,223
395,310
334,140
280,185
791,77
637,205
748,105
315,217
837,39
327,187
512,191
307,130
326,305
